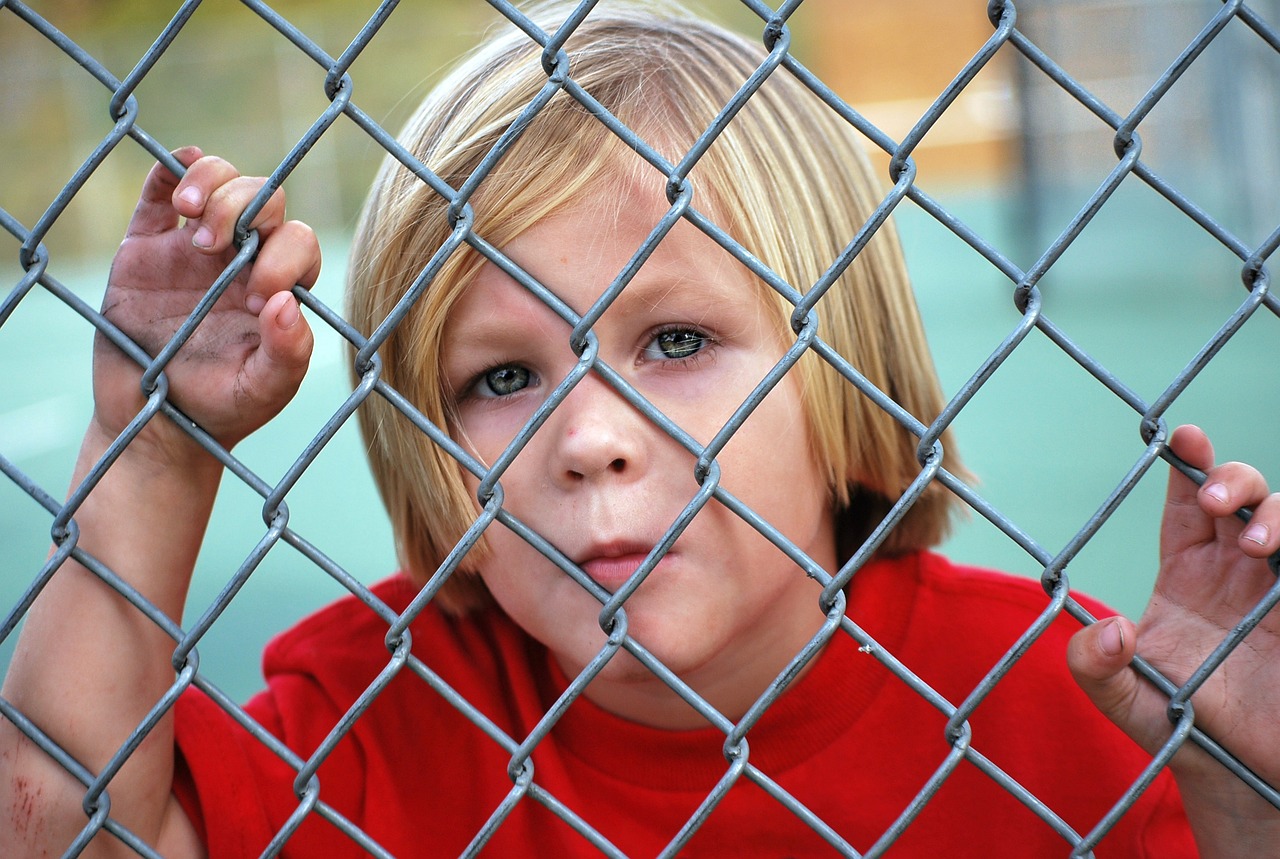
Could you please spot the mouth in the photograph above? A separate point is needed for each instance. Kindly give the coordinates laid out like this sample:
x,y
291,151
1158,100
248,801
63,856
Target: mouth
x,y
611,565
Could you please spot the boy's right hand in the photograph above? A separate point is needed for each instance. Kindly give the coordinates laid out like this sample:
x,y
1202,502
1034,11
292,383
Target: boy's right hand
x,y
146,516
245,360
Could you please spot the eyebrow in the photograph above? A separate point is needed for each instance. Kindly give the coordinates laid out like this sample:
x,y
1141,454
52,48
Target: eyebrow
x,y
495,326
650,288
653,286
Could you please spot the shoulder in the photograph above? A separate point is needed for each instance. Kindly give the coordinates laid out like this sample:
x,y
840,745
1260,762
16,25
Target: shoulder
x,y
989,596
958,623
343,629
997,642
444,674
348,642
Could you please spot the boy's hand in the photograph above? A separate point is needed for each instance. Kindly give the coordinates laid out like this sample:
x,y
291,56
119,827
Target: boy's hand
x,y
1213,570
246,359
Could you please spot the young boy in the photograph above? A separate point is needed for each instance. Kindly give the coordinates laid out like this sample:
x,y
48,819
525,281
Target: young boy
x,y
629,529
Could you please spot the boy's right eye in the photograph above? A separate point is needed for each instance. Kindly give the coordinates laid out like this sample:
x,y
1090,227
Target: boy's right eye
x,y
501,381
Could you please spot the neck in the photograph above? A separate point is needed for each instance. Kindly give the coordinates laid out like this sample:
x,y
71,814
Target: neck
x,y
628,689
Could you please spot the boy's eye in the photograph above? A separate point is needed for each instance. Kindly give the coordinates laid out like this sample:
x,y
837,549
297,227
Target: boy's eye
x,y
502,381
675,344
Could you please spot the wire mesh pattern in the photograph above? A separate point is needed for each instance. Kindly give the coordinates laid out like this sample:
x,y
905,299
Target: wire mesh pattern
x,y
334,75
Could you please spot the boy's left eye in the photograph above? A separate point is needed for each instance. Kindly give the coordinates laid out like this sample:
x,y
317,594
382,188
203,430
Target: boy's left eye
x,y
674,344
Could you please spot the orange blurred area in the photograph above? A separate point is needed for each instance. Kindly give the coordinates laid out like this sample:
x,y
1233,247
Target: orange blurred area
x,y
229,70
891,61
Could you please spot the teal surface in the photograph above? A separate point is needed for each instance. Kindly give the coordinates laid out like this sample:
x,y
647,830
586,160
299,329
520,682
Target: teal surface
x,y
1141,292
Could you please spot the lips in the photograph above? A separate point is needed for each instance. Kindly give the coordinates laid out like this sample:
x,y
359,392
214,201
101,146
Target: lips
x,y
611,564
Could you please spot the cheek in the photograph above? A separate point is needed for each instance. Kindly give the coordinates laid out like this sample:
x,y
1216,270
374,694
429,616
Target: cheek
x,y
487,440
771,466
772,456
509,567
534,593
486,434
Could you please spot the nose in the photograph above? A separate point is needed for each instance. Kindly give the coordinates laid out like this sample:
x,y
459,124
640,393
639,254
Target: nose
x,y
597,435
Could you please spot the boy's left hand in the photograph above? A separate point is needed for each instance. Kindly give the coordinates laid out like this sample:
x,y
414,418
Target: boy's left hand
x,y
1213,570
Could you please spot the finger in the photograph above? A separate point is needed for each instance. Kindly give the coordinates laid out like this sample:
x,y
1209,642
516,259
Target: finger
x,y
290,255
1235,485
224,207
1230,486
1192,446
1184,521
276,368
1099,657
204,175
156,212
1261,537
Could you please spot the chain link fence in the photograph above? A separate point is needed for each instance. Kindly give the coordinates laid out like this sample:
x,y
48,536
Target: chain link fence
x,y
1241,256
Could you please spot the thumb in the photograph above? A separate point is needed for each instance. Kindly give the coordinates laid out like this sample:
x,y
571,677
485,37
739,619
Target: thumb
x,y
155,213
1098,657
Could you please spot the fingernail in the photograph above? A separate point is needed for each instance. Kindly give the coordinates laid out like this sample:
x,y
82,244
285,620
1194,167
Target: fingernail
x,y
1111,638
203,237
192,196
254,303
288,315
1217,492
1257,533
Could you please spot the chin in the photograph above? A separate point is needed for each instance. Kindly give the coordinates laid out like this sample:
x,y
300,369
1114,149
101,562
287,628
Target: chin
x,y
626,668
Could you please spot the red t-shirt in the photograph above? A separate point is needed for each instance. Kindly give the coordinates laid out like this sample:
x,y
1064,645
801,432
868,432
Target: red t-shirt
x,y
849,741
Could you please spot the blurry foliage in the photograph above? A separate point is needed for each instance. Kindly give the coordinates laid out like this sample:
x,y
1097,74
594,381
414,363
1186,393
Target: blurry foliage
x,y
233,85
229,83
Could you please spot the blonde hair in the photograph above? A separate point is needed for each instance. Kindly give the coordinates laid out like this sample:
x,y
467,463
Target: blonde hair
x,y
787,177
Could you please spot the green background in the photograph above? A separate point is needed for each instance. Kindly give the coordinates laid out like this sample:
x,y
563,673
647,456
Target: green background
x,y
1046,441
1142,290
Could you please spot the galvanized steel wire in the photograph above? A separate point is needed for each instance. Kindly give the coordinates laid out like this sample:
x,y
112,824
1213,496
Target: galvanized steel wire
x,y
121,102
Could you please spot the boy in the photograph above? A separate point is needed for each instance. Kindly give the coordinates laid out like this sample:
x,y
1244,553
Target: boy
x,y
589,465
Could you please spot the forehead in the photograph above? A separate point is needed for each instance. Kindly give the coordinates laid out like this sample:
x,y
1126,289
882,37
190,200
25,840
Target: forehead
x,y
585,247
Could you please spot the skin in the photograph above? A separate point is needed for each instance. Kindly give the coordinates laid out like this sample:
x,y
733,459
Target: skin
x,y
89,690
600,480
1212,571
596,459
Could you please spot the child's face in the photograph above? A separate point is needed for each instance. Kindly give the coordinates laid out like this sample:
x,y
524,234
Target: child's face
x,y
725,609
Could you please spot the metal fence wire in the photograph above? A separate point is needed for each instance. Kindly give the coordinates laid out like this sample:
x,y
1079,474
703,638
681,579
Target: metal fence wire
x,y
334,74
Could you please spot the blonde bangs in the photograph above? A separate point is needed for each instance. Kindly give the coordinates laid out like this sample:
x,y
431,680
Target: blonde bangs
x,y
786,178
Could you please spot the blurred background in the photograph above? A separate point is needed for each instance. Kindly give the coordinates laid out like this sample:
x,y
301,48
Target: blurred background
x,y
1014,159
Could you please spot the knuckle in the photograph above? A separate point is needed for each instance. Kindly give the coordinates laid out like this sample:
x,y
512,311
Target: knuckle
x,y
300,233
1237,472
218,166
